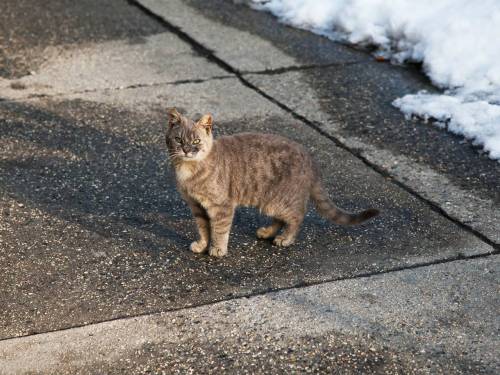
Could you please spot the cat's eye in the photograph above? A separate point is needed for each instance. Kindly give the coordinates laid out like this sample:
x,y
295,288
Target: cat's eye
x,y
178,140
196,141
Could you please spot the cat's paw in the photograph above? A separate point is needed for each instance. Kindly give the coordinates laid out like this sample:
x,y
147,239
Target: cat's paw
x,y
265,232
282,241
217,251
198,247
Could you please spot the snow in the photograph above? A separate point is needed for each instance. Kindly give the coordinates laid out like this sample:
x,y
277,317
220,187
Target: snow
x,y
457,41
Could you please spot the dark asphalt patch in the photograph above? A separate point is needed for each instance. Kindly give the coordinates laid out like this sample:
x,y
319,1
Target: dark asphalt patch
x,y
93,228
27,27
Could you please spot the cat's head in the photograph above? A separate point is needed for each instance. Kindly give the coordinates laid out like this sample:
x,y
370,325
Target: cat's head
x,y
188,140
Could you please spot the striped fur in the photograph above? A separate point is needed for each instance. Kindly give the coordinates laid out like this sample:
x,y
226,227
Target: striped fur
x,y
328,210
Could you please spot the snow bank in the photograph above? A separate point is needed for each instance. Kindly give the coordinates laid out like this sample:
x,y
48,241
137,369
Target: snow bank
x,y
458,42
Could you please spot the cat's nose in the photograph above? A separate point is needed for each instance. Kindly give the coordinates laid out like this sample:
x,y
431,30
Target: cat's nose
x,y
187,152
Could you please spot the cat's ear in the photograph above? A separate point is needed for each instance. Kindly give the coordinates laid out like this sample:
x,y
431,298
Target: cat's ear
x,y
206,122
174,117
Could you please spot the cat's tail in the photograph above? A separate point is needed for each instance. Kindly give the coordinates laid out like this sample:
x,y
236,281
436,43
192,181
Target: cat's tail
x,y
328,210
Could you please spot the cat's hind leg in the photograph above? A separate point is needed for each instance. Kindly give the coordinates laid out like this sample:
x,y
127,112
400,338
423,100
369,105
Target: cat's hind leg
x,y
292,217
271,230
289,233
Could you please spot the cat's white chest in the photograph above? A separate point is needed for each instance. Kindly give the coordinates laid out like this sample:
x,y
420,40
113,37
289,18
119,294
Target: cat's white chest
x,y
183,172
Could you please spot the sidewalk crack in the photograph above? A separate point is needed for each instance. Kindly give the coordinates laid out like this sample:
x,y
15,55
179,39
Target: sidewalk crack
x,y
106,89
295,68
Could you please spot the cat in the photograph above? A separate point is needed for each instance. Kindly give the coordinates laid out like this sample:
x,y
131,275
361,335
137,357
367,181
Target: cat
x,y
267,171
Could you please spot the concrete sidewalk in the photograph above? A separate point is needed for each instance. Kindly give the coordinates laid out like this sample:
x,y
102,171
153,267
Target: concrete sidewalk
x,y
94,237
391,323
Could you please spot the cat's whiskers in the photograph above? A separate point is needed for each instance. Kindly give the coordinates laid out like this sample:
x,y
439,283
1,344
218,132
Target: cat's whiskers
x,y
175,154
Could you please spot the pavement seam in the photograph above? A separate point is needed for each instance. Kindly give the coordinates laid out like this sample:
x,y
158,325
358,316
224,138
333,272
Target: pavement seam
x,y
365,275
133,86
295,68
211,56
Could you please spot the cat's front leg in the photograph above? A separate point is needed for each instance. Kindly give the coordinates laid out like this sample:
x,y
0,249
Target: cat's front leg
x,y
221,219
203,224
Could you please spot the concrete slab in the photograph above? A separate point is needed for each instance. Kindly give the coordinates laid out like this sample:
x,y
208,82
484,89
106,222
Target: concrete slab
x,y
155,59
245,39
431,320
353,104
29,27
92,228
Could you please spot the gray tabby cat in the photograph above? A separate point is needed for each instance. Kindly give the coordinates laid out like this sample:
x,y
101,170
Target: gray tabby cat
x,y
266,171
